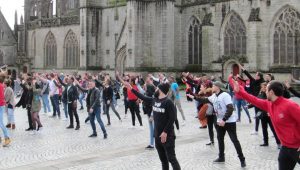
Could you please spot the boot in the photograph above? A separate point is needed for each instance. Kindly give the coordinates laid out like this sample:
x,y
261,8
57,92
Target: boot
x,y
77,127
8,125
13,126
70,127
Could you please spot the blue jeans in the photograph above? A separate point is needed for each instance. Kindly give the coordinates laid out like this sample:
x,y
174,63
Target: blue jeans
x,y
10,116
81,97
45,99
4,129
66,109
96,113
151,128
55,104
241,103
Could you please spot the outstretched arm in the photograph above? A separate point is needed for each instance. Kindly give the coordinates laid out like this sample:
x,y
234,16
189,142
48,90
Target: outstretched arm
x,y
260,103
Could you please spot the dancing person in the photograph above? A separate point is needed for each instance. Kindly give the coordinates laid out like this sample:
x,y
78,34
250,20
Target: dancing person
x,y
7,139
175,90
36,105
10,104
226,120
285,116
54,95
108,100
164,113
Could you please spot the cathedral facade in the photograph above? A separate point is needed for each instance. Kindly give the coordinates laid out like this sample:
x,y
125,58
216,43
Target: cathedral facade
x,y
152,35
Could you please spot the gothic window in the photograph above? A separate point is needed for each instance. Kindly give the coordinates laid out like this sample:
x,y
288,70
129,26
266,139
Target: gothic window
x,y
71,51
286,38
50,51
195,42
1,57
235,36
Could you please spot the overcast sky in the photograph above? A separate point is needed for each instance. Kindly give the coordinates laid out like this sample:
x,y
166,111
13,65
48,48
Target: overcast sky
x,y
8,8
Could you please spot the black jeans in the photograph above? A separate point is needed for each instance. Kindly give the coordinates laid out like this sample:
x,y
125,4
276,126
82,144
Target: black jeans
x,y
30,123
230,128
166,153
256,119
211,121
265,121
288,158
73,111
135,110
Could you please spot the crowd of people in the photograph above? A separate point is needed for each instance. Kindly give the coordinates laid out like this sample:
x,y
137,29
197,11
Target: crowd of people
x,y
218,105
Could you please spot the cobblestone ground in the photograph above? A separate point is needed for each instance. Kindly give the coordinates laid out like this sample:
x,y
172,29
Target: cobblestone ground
x,y
55,147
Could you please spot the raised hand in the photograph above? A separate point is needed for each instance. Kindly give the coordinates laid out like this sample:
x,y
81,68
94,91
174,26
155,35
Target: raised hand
x,y
288,85
127,85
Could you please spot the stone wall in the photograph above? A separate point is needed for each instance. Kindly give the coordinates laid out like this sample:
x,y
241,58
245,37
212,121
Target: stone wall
x,y
60,34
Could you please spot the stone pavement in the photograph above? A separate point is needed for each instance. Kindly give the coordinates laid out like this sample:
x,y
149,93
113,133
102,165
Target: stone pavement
x,y
55,147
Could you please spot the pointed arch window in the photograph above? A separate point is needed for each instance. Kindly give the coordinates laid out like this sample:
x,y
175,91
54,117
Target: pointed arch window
x,y
286,38
71,51
50,49
235,39
195,42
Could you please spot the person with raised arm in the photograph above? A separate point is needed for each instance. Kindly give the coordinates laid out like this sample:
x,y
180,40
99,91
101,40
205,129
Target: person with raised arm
x,y
226,120
164,114
285,116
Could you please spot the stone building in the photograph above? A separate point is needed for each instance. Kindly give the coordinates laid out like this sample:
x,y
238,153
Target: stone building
x,y
169,35
8,43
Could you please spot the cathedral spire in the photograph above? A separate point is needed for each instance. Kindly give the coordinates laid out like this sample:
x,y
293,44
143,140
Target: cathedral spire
x,y
21,20
16,17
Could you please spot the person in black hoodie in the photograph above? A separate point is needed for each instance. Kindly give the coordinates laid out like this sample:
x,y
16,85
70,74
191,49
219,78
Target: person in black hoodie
x,y
26,99
164,113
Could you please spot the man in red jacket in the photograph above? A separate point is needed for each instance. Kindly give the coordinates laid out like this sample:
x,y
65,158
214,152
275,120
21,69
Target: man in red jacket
x,y
285,116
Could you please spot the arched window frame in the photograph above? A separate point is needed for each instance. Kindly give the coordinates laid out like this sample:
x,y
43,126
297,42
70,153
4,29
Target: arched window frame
x,y
50,51
195,42
286,38
235,36
71,51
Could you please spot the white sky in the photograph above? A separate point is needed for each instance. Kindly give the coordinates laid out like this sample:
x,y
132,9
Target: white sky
x,y
8,8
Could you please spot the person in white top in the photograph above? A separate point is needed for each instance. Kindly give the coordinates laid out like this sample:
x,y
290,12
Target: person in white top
x,y
54,95
226,120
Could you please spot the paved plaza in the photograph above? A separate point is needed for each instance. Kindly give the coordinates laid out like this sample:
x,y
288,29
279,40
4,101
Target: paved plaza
x,y
56,147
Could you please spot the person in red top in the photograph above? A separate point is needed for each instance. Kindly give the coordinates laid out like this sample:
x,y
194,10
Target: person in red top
x,y
133,103
2,108
240,103
285,116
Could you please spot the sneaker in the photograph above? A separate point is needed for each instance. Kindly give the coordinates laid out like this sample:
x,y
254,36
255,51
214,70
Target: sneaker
x,y
29,129
263,145
7,141
77,127
210,144
243,164
93,135
105,136
150,147
81,108
70,127
254,133
108,124
203,127
250,121
219,160
238,120
8,125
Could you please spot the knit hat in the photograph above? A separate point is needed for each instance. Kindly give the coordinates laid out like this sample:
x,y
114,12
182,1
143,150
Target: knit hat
x,y
164,87
219,84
